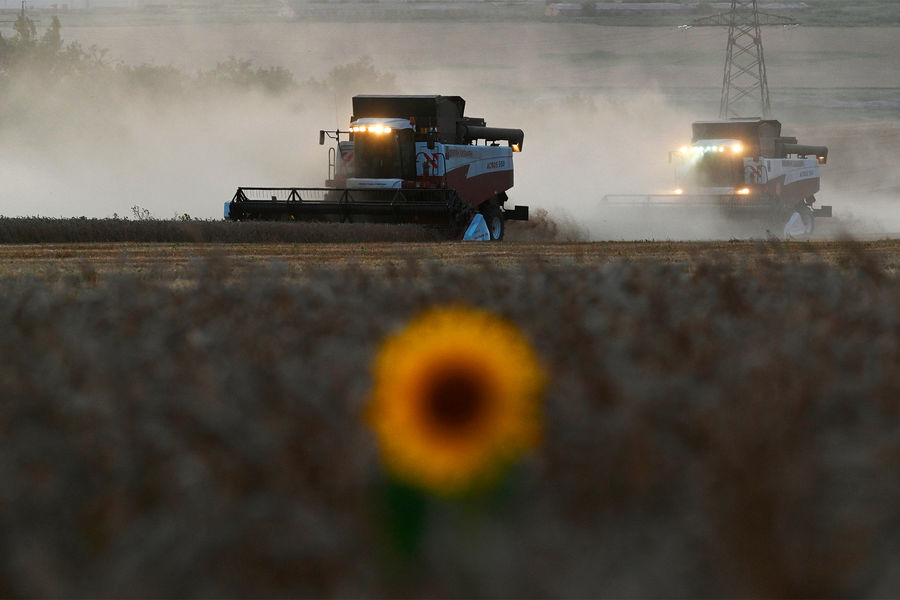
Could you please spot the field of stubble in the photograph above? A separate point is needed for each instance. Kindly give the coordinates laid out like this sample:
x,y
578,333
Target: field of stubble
x,y
186,420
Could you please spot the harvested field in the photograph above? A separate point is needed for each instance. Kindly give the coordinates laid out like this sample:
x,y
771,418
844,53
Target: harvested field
x,y
173,261
720,420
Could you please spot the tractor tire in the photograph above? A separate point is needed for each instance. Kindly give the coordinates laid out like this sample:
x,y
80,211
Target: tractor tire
x,y
493,217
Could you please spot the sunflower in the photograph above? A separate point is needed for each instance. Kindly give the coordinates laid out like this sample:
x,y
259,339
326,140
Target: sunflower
x,y
456,397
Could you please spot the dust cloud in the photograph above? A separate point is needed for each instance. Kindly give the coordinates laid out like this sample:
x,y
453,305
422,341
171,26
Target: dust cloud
x,y
101,152
100,147
861,180
579,149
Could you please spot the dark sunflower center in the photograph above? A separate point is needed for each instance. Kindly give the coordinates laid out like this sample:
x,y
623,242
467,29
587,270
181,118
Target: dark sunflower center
x,y
455,400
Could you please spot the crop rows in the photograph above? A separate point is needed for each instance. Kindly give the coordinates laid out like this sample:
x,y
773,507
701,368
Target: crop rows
x,y
723,429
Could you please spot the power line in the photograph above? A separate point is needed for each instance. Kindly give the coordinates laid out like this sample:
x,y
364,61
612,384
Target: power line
x,y
745,65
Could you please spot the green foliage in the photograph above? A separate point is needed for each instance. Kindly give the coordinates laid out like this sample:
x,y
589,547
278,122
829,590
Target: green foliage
x,y
46,56
163,81
239,73
25,29
52,40
46,59
345,80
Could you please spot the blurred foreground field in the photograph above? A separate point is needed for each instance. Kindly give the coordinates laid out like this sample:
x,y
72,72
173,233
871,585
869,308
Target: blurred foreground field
x,y
186,420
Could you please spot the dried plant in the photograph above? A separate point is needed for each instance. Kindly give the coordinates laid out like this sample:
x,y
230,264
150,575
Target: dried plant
x,y
710,429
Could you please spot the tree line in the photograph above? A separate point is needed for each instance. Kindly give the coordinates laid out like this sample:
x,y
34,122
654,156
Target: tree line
x,y
46,58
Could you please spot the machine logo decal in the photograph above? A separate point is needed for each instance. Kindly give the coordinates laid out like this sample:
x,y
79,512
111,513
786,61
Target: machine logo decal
x,y
431,159
755,174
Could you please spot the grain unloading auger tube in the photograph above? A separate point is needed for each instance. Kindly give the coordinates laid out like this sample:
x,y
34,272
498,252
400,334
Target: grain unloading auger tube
x,y
405,159
743,169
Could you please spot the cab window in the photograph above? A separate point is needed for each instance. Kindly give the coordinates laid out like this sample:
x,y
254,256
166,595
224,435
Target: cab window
x,y
385,156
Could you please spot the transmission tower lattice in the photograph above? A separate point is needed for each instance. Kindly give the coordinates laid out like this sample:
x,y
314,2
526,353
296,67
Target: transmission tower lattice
x,y
745,65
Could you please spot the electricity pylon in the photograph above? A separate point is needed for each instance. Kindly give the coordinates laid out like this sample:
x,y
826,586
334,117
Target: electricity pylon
x,y
745,65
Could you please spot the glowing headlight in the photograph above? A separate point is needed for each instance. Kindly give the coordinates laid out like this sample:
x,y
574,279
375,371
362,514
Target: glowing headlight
x,y
387,129
684,149
736,148
743,191
721,148
678,191
378,129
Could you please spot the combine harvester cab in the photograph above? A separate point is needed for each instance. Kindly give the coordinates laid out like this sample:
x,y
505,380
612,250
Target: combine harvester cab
x,y
748,173
406,159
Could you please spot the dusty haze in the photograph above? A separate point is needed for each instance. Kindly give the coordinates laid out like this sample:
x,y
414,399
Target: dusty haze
x,y
600,108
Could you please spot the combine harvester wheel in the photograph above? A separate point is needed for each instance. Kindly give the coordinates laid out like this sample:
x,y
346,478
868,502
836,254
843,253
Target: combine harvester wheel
x,y
493,216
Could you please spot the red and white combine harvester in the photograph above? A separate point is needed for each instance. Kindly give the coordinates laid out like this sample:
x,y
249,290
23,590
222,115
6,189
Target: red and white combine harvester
x,y
406,159
747,172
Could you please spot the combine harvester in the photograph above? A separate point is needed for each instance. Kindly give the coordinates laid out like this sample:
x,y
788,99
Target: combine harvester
x,y
747,173
406,159
751,175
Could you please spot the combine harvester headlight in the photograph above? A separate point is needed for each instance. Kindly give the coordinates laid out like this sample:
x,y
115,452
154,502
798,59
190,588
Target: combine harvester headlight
x,y
376,129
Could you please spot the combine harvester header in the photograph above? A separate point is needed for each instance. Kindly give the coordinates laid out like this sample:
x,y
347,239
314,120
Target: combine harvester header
x,y
405,159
